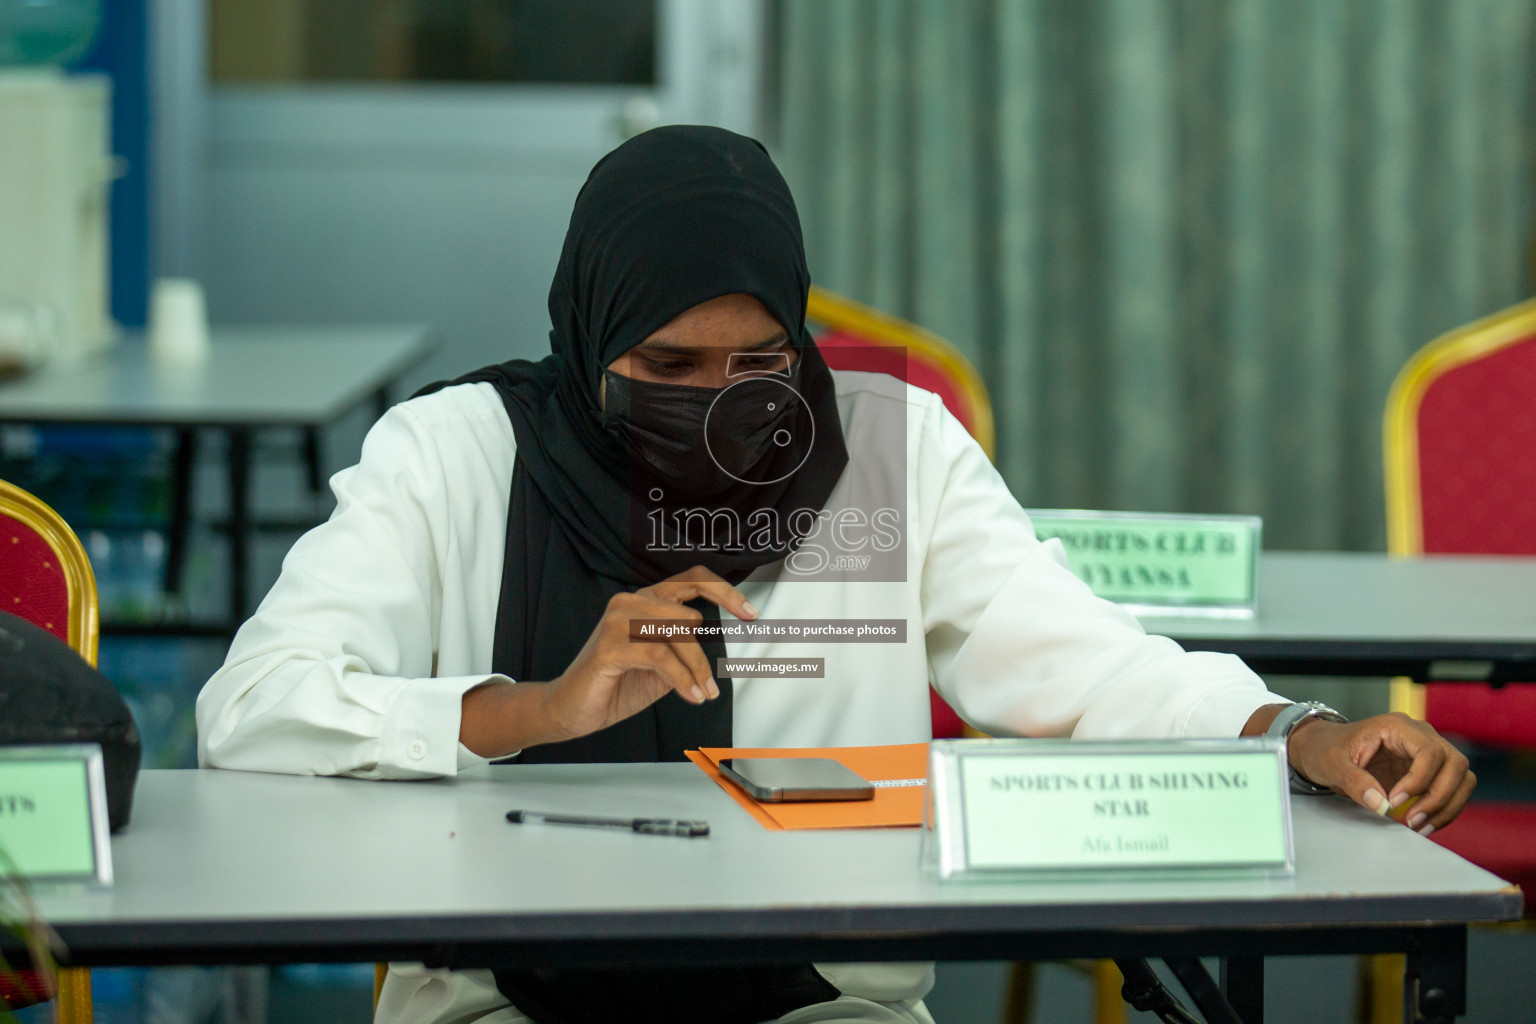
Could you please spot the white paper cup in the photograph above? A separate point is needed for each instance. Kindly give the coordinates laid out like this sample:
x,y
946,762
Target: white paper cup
x,y
178,321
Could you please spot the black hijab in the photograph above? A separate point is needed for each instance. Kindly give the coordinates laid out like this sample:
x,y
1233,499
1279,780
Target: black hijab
x,y
670,219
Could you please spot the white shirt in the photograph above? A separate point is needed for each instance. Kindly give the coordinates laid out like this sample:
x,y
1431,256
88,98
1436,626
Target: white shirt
x,y
356,661
383,616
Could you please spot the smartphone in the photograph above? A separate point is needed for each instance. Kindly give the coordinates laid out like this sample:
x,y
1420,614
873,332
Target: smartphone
x,y
780,779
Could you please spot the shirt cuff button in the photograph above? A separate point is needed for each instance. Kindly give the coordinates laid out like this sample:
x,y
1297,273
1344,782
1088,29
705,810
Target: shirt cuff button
x,y
417,749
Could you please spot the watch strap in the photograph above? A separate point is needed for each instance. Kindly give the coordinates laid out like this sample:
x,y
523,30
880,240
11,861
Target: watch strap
x,y
1286,722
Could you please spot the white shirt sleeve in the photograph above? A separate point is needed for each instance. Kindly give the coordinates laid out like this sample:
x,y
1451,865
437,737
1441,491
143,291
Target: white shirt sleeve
x,y
1020,646
335,673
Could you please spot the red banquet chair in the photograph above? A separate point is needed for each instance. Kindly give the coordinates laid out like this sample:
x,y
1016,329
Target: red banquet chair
x,y
46,578
852,336
1459,439
1460,443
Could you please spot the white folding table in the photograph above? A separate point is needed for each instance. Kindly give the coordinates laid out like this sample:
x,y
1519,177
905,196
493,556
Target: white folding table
x,y
251,378
1344,613
234,867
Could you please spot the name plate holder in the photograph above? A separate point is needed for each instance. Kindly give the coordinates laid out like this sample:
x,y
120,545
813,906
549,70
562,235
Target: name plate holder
x,y
53,814
1061,809
1162,564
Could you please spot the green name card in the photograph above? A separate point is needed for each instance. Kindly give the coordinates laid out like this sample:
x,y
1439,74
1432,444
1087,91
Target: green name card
x,y
53,813
1054,807
1162,564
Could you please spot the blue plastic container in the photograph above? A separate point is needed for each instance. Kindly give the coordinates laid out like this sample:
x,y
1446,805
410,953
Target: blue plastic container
x,y
34,32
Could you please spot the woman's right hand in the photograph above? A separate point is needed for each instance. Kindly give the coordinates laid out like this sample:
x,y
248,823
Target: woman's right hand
x,y
612,678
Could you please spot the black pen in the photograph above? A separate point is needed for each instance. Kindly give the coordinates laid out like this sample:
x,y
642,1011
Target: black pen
x,y
647,826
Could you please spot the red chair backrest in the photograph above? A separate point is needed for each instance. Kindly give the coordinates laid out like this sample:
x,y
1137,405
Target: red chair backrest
x,y
45,576
1477,456
1475,434
32,583
844,350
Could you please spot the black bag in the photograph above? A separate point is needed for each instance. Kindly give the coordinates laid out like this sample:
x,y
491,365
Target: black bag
x,y
48,694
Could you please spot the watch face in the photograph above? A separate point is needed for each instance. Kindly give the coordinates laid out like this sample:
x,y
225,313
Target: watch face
x,y
1324,711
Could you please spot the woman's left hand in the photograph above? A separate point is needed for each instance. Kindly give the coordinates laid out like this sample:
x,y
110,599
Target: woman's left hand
x,y
1384,761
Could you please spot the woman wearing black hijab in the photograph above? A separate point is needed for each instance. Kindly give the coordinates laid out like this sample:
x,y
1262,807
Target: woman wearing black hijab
x,y
594,444
684,450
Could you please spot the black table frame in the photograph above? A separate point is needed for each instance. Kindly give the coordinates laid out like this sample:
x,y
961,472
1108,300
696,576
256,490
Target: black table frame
x,y
1434,987
1502,663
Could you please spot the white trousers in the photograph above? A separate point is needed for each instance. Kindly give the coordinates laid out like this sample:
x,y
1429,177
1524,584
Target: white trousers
x,y
886,994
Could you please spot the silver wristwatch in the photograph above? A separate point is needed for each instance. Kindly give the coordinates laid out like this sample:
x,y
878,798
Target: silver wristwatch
x,y
1286,721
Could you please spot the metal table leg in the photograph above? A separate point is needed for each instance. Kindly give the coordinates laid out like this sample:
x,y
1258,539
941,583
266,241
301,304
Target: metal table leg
x,y
1202,988
1435,985
312,475
1242,981
180,524
239,520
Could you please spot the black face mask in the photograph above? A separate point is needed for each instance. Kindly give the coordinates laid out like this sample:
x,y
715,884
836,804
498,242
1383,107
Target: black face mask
x,y
701,441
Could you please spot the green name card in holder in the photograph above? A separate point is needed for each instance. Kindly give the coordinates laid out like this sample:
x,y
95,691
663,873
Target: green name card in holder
x,y
1162,564
1127,809
53,813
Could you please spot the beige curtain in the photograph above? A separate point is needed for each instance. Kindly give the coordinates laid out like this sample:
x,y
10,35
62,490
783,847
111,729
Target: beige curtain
x,y
1188,242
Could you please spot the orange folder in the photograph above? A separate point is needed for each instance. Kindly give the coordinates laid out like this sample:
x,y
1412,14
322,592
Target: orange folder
x,y
893,806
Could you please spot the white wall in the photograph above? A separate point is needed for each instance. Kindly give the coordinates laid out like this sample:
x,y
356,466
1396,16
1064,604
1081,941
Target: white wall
x,y
445,204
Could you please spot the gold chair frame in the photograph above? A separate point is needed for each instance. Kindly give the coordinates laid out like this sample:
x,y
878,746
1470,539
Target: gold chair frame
x,y
84,631
84,628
